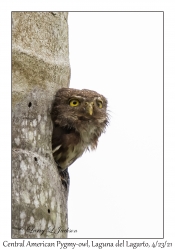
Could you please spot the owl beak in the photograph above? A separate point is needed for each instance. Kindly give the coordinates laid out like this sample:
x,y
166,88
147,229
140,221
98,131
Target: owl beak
x,y
89,107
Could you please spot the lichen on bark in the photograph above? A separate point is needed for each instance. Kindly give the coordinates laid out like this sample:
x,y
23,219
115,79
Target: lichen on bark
x,y
40,66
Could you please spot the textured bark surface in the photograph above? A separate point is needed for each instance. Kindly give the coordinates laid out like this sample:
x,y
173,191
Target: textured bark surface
x,y
40,66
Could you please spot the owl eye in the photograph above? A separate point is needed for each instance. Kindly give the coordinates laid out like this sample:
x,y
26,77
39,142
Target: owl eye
x,y
74,103
99,104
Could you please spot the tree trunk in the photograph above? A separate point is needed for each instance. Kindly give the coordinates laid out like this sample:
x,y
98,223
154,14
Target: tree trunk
x,y
40,66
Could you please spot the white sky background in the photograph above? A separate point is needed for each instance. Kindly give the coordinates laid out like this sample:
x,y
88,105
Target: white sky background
x,y
120,55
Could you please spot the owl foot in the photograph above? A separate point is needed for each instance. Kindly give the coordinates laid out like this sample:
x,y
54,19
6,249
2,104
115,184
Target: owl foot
x,y
65,178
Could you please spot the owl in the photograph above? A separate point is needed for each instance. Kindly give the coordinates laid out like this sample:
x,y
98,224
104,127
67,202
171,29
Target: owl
x,y
79,118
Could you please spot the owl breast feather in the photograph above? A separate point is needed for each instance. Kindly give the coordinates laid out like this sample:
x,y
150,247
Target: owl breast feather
x,y
70,145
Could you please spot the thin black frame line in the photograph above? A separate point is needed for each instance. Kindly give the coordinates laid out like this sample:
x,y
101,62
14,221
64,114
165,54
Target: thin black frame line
x,y
163,126
90,11
115,11
163,138
11,124
54,239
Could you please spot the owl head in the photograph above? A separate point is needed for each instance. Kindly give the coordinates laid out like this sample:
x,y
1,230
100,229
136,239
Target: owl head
x,y
80,109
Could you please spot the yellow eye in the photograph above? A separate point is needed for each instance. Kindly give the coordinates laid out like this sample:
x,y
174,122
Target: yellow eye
x,y
99,104
74,103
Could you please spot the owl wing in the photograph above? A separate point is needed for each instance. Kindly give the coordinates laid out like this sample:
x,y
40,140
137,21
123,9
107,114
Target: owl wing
x,y
65,146
56,137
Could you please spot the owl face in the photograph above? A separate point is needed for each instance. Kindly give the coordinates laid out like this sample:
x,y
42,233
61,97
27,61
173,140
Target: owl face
x,y
76,107
79,117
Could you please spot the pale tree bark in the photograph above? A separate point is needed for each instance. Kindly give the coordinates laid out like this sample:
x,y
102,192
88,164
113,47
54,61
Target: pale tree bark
x,y
40,66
